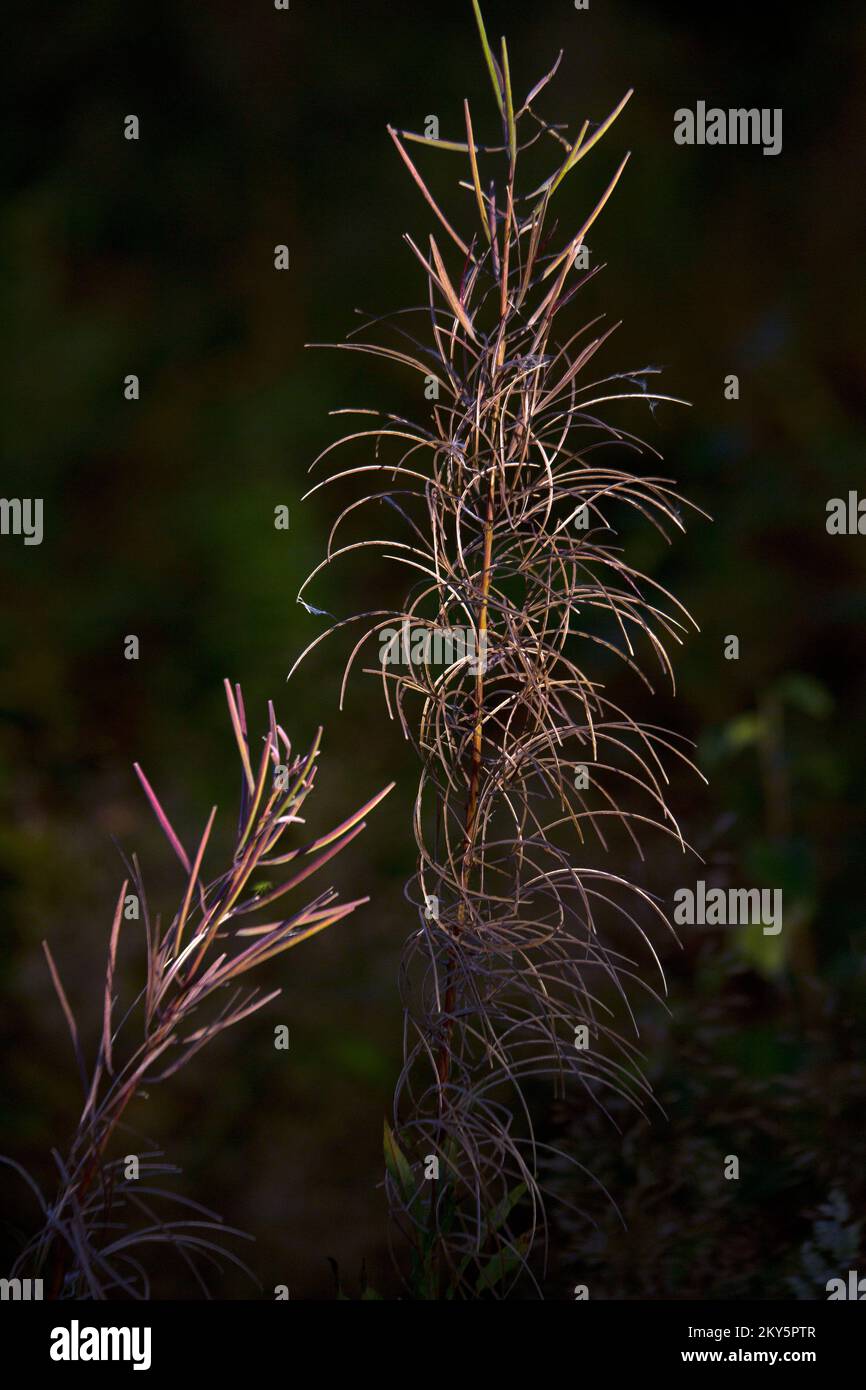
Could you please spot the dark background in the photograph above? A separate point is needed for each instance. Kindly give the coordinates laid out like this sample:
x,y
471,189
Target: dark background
x,y
156,257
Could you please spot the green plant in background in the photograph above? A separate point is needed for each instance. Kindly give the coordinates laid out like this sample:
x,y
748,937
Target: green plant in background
x,y
93,1232
774,849
508,499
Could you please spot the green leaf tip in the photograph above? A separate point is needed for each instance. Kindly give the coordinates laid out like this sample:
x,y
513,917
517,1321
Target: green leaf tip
x,y
491,61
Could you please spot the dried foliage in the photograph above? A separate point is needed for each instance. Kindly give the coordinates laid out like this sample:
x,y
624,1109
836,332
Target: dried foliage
x,y
508,503
94,1229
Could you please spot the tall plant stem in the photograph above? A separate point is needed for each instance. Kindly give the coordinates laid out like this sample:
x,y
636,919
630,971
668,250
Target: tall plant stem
x,y
444,1058
60,1249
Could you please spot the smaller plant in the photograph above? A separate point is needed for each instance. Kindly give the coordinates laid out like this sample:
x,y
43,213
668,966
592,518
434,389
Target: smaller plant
x,y
90,1232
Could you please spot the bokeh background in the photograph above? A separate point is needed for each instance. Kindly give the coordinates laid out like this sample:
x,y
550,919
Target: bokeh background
x,y
156,257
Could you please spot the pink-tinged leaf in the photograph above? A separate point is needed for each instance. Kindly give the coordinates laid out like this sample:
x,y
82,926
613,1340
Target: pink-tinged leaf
x,y
251,1006
255,955
190,887
450,293
604,197
242,714
163,819
240,736
352,820
272,861
263,930
476,178
274,742
109,981
311,868
426,192
566,259
67,1014
539,86
256,797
